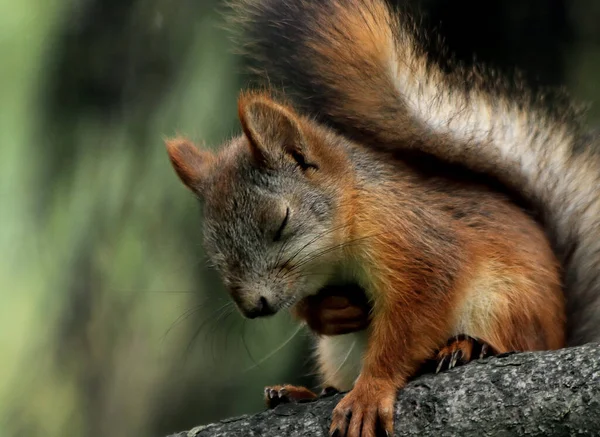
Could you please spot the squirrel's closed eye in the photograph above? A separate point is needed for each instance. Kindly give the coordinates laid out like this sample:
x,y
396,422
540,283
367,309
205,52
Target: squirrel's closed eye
x,y
283,225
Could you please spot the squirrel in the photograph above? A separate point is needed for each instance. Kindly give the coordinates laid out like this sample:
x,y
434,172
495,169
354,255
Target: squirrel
x,y
291,208
328,190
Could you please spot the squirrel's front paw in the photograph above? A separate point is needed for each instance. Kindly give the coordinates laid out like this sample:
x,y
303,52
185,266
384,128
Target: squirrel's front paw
x,y
335,311
369,404
283,394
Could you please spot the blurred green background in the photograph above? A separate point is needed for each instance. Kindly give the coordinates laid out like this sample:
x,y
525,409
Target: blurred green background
x,y
111,322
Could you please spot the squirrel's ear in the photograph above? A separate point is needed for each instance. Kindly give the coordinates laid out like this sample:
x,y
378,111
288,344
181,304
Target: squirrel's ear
x,y
273,131
191,164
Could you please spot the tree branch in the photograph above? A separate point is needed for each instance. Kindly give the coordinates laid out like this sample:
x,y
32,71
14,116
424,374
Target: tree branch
x,y
553,393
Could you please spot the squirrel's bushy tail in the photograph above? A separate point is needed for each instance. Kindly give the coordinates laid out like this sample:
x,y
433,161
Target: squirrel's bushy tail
x,y
360,66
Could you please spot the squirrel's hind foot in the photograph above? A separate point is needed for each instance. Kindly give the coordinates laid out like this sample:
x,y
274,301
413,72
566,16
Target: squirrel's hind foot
x,y
283,394
460,350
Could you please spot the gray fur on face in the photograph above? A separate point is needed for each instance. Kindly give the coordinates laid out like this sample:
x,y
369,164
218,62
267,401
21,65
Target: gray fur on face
x,y
244,208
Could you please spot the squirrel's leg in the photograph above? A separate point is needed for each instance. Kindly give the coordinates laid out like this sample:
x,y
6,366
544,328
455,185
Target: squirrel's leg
x,y
404,331
523,314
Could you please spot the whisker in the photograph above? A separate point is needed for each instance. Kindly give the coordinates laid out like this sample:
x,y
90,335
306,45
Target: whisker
x,y
180,319
273,352
185,315
128,290
221,319
312,241
216,314
229,328
312,256
279,255
243,337
345,359
315,238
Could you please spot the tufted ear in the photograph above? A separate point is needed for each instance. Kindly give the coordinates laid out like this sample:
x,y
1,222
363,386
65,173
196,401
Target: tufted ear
x,y
191,164
274,132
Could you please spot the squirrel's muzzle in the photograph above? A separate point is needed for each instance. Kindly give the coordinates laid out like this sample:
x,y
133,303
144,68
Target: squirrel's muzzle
x,y
262,309
253,308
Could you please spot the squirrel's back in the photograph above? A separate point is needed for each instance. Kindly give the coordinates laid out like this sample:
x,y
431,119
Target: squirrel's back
x,y
360,66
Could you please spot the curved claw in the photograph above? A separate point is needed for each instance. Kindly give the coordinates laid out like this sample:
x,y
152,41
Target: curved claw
x,y
362,410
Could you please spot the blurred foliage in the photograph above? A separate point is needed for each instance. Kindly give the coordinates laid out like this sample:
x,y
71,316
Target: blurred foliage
x,y
111,322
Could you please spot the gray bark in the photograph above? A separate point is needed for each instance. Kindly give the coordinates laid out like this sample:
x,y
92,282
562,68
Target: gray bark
x,y
527,394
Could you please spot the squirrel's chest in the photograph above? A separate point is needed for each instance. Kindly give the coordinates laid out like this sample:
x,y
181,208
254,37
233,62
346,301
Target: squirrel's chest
x,y
340,359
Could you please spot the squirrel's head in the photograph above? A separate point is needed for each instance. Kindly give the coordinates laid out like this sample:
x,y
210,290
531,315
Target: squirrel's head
x,y
274,214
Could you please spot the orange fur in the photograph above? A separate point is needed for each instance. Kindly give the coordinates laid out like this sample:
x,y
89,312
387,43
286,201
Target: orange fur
x,y
423,295
190,163
425,268
436,256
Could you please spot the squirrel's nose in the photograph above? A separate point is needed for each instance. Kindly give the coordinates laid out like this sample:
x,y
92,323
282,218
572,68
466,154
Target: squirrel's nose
x,y
261,309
